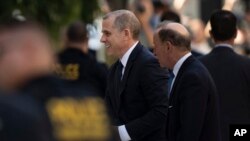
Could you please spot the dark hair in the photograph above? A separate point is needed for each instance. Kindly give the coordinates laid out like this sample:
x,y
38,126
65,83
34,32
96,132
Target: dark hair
x,y
170,15
174,38
77,32
223,25
159,4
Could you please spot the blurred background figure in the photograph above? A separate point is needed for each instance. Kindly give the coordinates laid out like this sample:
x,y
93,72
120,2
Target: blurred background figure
x,y
160,6
244,25
25,55
35,106
144,11
149,13
199,43
22,57
77,64
170,15
230,72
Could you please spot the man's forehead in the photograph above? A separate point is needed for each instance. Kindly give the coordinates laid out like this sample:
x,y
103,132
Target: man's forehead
x,y
108,26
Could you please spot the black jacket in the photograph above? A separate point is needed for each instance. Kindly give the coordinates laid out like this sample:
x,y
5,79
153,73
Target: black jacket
x,y
231,74
78,67
193,105
140,100
49,109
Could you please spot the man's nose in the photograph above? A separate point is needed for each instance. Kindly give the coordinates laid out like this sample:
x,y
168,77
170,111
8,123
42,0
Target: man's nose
x,y
103,39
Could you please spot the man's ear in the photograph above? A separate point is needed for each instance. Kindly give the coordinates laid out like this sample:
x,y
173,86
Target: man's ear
x,y
127,34
168,46
211,34
235,34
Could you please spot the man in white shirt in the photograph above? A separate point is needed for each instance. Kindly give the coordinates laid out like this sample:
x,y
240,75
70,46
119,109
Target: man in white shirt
x,y
137,86
193,103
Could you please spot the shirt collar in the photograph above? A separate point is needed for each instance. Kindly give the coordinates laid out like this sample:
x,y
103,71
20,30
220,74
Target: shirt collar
x,y
125,57
179,63
224,45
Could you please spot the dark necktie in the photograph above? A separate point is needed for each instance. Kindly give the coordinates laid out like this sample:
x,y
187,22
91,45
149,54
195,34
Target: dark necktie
x,y
170,80
119,70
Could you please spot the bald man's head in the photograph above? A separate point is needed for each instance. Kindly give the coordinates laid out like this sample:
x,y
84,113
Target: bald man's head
x,y
174,33
178,28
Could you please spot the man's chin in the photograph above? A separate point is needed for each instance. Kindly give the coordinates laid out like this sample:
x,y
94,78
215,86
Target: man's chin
x,y
109,53
162,65
112,55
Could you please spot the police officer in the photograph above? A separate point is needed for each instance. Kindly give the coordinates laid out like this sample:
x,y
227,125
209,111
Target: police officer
x,y
76,63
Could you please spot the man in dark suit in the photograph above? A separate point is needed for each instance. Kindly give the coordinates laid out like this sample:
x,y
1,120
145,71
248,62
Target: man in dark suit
x,y
193,107
76,63
137,86
230,72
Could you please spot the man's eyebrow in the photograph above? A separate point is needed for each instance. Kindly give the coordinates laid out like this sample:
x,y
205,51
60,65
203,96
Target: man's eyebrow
x,y
106,31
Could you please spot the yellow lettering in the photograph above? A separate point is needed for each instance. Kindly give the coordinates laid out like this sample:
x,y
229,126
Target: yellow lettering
x,y
69,71
79,119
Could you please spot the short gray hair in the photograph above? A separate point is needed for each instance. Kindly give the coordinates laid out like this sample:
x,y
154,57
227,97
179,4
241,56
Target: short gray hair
x,y
125,19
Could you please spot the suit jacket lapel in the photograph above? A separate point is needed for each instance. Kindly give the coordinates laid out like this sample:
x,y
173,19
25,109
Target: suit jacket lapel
x,y
129,66
183,67
114,88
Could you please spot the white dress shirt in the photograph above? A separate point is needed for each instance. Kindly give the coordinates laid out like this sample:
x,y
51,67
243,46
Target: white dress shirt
x,y
125,57
178,65
224,45
122,129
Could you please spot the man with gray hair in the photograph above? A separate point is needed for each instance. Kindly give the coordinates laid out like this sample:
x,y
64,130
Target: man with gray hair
x,y
137,86
193,103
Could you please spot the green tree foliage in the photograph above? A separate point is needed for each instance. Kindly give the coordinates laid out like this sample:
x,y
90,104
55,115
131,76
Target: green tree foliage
x,y
117,4
52,13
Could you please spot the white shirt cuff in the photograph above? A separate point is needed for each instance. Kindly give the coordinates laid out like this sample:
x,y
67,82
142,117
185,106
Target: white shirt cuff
x,y
123,133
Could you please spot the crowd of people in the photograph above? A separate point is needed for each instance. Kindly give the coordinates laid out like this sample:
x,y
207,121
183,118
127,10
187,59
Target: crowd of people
x,y
174,87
